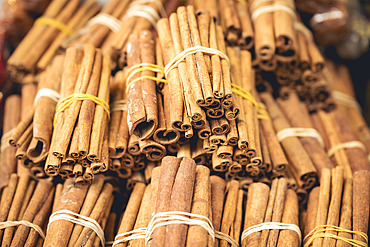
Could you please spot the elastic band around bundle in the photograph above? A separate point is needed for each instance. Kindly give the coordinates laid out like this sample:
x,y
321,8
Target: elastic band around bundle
x,y
346,100
65,214
47,92
67,101
271,226
192,50
106,20
261,108
262,112
37,228
54,23
169,218
159,4
142,67
256,3
119,105
143,11
316,233
351,144
243,93
272,8
300,132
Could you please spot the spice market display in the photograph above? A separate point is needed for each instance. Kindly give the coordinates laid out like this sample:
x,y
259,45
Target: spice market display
x,y
183,123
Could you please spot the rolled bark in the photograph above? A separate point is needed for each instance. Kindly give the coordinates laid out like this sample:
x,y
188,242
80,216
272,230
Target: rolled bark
x,y
197,235
323,207
169,168
361,203
132,208
71,199
290,216
346,213
12,113
258,196
181,200
335,204
41,194
230,210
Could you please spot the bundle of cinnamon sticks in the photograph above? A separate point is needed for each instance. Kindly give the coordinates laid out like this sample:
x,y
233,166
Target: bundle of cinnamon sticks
x,y
67,139
179,186
268,207
80,213
60,20
25,208
338,210
284,51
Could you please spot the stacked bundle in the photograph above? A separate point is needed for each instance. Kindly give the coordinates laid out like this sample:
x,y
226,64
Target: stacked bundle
x,y
79,151
284,50
59,21
343,94
80,214
32,135
338,210
25,207
271,216
179,190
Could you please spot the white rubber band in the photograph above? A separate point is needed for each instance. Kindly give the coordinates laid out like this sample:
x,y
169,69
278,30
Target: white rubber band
x,y
182,55
25,223
351,144
271,226
345,99
272,8
106,20
144,11
119,105
159,4
256,3
325,16
47,92
302,28
65,214
169,218
300,132
5,139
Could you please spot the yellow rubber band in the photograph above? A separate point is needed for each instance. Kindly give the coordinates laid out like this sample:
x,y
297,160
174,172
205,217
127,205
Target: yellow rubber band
x,y
261,108
244,93
67,101
142,67
262,113
321,233
54,23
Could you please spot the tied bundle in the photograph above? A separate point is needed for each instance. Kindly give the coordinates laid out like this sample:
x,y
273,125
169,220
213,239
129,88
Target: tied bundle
x,y
25,208
303,163
271,215
59,21
284,51
180,189
338,210
342,92
199,74
32,136
100,29
79,145
138,15
80,213
80,112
